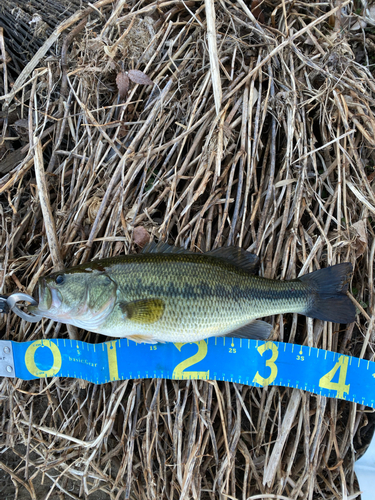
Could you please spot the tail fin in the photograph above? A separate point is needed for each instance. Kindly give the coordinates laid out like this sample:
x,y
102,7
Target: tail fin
x,y
330,302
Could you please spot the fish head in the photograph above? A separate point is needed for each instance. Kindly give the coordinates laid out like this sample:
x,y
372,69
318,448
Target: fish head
x,y
62,294
79,297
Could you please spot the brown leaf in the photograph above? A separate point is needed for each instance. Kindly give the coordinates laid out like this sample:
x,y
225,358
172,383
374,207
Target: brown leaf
x,y
139,77
360,237
140,236
257,11
93,209
130,214
371,176
122,82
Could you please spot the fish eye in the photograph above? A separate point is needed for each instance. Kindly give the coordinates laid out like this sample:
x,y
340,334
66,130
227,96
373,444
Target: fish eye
x,y
59,280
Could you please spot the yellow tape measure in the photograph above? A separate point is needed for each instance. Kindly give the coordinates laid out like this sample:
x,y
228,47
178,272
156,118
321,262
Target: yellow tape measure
x,y
249,362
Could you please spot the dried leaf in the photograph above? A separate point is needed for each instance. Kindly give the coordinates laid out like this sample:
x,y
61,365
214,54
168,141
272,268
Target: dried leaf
x,y
122,82
257,10
7,58
371,176
368,16
110,51
140,236
139,77
360,237
93,209
130,214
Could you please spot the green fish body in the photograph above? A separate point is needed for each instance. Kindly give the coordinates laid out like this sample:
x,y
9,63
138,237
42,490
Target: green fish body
x,y
167,294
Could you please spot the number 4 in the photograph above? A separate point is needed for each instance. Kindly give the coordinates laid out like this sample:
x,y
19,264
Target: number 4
x,y
326,381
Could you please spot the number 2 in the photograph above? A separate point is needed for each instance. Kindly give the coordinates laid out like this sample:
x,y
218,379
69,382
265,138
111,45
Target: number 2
x,y
179,373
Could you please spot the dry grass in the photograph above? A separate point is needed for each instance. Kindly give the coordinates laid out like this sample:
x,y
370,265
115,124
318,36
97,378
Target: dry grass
x,y
260,136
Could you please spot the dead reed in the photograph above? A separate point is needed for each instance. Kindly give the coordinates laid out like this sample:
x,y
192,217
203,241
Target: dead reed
x,y
258,132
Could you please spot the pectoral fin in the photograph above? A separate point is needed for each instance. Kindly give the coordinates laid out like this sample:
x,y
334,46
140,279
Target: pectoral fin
x,y
143,311
258,330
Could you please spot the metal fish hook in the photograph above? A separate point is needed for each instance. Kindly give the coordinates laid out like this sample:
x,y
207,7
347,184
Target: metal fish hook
x,y
20,297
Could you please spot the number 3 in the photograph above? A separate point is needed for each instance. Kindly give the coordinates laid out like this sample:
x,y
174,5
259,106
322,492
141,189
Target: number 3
x,y
269,362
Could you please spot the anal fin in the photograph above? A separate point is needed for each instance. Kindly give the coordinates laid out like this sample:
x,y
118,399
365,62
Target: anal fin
x,y
258,330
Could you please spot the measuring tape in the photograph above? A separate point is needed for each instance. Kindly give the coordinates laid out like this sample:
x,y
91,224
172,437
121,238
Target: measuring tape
x,y
249,362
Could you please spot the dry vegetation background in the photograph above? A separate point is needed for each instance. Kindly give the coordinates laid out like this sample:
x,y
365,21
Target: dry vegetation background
x,y
285,169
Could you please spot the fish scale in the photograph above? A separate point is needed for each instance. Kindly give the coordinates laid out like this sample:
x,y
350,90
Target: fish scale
x,y
170,295
203,297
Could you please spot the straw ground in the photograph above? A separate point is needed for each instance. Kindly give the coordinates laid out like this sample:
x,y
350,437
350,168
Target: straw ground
x,y
258,131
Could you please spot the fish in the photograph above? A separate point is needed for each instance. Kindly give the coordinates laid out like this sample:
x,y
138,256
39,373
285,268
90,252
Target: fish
x,y
169,294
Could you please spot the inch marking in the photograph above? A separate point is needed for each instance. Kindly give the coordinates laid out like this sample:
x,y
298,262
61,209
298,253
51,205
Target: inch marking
x,y
267,363
112,359
341,387
180,374
270,363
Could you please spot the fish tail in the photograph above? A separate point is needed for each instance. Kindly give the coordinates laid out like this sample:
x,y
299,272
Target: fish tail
x,y
329,301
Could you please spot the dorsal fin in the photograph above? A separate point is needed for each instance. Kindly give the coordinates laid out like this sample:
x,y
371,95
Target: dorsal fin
x,y
162,247
237,257
233,255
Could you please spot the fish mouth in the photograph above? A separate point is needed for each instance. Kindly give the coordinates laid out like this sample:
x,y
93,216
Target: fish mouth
x,y
49,297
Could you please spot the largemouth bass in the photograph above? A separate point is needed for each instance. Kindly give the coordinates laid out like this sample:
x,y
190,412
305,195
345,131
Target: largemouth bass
x,y
166,294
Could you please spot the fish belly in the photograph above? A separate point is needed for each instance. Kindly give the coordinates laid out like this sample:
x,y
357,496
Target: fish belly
x,y
183,320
